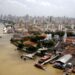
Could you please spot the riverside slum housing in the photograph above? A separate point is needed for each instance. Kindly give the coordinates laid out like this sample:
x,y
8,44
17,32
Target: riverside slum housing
x,y
69,49
69,42
69,45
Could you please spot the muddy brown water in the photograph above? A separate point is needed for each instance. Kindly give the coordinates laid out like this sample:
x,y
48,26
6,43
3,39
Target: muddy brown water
x,y
11,64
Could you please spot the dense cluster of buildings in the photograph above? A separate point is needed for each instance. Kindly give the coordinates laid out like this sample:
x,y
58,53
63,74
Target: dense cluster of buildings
x,y
42,23
31,43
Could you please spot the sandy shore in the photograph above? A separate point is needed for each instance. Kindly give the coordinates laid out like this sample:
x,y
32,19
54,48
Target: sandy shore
x,y
11,64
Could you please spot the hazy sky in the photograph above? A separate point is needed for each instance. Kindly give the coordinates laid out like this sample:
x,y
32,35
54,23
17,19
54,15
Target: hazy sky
x,y
38,7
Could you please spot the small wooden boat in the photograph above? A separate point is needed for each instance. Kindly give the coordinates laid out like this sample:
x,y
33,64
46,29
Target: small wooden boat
x,y
56,57
46,59
42,60
39,66
30,56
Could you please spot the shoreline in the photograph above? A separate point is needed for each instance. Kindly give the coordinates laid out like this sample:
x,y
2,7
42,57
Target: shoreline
x,y
11,64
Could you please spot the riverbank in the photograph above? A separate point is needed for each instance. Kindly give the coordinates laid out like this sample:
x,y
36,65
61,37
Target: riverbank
x,y
11,64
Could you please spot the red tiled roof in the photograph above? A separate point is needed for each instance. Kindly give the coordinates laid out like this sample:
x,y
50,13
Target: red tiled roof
x,y
30,43
70,40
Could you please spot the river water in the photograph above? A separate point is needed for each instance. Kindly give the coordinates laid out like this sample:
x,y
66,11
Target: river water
x,y
11,64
